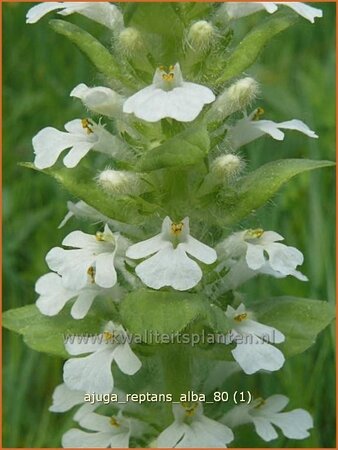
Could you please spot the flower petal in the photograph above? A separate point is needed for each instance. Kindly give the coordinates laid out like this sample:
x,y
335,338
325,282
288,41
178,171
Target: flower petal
x,y
275,404
198,250
96,422
78,345
79,239
170,437
147,247
268,237
218,431
264,429
101,100
257,355
34,14
294,424
304,10
104,13
243,132
105,273
53,296
182,103
126,359
236,10
48,144
64,399
269,127
255,256
72,265
90,374
204,94
75,127
85,409
260,330
75,438
283,258
298,125
140,98
269,7
83,303
170,267
77,152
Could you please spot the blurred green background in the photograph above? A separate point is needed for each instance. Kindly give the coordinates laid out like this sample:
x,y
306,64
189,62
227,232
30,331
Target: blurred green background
x,y
297,74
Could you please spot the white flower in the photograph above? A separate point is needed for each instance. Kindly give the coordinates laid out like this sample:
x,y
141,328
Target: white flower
x,y
235,10
53,295
105,432
169,96
101,100
266,413
252,351
81,210
80,137
65,399
192,429
94,255
170,264
250,252
104,13
93,373
249,129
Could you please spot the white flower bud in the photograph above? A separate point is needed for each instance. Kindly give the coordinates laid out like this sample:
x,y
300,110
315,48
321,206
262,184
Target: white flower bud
x,y
226,166
235,98
121,182
100,99
223,170
130,42
201,35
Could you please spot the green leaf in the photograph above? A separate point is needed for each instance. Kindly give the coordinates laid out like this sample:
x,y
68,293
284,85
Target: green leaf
x,y
250,47
299,319
161,26
162,19
255,189
186,148
80,183
147,313
102,59
47,334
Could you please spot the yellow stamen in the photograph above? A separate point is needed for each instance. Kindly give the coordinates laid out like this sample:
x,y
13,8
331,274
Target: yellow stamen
x,y
176,228
241,317
258,113
260,402
114,422
255,234
86,125
108,336
190,408
99,236
168,76
91,273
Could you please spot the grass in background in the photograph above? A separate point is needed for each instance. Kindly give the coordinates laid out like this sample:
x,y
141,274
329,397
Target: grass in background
x,y
297,76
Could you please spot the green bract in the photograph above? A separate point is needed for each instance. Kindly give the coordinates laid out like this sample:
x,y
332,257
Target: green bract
x,y
300,319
